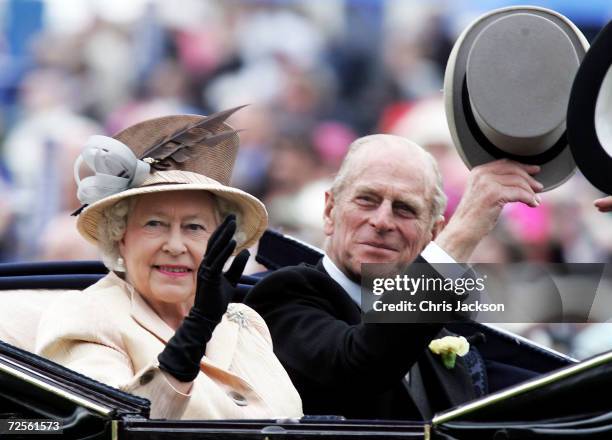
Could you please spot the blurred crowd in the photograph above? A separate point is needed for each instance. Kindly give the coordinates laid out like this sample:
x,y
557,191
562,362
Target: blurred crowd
x,y
317,74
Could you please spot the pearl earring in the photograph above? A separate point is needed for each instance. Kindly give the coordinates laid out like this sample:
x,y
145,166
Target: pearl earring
x,y
120,264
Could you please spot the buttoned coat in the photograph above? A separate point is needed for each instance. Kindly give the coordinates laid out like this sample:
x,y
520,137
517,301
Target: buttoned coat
x,y
109,333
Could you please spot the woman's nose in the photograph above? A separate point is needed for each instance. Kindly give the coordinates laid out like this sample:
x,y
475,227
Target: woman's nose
x,y
175,243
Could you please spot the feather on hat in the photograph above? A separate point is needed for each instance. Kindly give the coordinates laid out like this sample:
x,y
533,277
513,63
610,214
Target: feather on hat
x,y
171,153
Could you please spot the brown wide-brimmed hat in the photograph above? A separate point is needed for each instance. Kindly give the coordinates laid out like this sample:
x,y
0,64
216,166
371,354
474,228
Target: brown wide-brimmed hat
x,y
171,153
507,86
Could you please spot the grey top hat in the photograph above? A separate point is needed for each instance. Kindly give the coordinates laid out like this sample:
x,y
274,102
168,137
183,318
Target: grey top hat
x,y
589,115
507,86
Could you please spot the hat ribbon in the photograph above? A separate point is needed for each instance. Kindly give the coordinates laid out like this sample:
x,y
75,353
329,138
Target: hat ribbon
x,y
115,166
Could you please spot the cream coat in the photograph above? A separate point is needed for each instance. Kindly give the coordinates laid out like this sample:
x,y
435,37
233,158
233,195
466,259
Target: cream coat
x,y
108,332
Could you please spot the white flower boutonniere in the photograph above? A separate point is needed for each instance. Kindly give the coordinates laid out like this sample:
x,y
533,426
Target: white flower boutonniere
x,y
449,347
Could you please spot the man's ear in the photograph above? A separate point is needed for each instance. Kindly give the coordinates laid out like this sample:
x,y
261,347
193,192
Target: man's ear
x,y
328,213
437,227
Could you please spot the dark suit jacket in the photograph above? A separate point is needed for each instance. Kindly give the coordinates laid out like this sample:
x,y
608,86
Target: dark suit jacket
x,y
340,365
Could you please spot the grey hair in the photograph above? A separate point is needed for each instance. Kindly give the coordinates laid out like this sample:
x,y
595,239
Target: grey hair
x,y
113,223
342,178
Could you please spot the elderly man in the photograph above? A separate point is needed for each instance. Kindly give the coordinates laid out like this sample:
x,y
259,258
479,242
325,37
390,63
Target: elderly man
x,y
385,206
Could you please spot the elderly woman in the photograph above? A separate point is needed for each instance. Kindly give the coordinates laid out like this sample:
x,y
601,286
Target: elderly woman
x,y
159,324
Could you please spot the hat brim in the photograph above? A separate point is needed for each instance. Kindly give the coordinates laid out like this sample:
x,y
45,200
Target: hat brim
x,y
585,143
466,137
252,222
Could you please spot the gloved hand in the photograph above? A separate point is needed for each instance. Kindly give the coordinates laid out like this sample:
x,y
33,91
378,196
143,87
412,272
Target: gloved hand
x,y
214,290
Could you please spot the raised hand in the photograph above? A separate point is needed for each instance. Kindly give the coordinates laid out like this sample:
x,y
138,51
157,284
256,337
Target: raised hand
x,y
490,187
214,288
182,355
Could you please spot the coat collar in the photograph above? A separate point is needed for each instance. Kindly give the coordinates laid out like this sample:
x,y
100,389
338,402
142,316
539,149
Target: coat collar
x,y
350,287
219,350
142,312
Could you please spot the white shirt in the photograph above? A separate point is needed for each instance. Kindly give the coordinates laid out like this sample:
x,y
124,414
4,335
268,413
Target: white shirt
x,y
432,254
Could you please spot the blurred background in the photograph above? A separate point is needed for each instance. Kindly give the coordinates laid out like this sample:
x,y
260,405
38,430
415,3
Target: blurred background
x,y
317,74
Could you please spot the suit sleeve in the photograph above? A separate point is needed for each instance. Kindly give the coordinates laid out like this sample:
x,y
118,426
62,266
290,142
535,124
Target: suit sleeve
x,y
85,339
314,344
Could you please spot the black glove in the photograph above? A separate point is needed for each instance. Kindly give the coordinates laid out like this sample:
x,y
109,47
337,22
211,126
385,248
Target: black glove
x,y
183,353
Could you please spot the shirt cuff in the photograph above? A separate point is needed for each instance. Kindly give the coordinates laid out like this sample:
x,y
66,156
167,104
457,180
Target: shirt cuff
x,y
435,254
443,263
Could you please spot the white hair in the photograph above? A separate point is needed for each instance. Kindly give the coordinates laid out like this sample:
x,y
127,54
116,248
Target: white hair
x,y
342,179
113,223
111,229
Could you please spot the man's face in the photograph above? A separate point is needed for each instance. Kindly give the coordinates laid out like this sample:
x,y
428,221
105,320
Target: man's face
x,y
383,214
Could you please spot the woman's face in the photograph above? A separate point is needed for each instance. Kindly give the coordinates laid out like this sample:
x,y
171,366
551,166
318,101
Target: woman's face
x,y
164,243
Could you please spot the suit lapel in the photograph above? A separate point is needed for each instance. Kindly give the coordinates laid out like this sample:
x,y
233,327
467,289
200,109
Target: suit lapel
x,y
455,384
343,304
